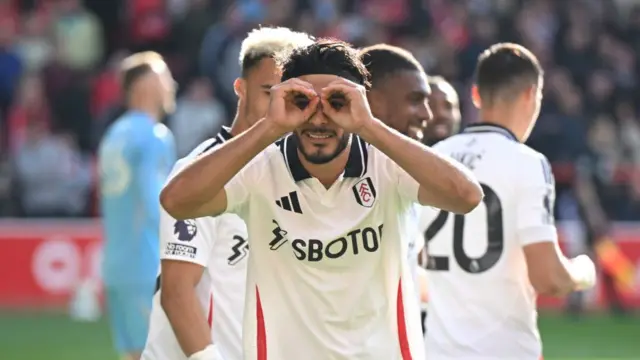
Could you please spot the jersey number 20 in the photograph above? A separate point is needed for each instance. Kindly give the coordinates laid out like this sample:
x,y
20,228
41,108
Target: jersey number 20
x,y
495,238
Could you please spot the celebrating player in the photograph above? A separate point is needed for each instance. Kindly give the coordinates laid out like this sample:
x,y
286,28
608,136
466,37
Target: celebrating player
x,y
135,157
398,97
444,103
485,268
195,306
325,212
399,89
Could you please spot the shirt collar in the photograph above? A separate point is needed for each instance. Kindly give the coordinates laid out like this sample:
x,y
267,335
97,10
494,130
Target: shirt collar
x,y
223,136
484,127
356,163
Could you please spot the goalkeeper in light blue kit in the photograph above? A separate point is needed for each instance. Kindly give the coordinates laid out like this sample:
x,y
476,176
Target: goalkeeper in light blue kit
x,y
135,157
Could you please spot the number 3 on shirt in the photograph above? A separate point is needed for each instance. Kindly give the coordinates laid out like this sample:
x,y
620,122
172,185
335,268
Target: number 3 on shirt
x,y
495,238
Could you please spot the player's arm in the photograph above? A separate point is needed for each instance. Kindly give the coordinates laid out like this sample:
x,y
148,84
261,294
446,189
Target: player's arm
x,y
199,189
183,261
443,182
550,272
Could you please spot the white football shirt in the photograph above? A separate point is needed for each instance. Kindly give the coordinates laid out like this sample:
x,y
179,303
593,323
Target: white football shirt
x,y
328,276
481,303
219,244
415,245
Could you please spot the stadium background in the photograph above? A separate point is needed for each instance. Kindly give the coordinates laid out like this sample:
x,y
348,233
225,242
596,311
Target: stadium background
x,y
59,90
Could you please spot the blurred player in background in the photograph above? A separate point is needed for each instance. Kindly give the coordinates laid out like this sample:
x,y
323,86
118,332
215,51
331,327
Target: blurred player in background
x,y
486,268
445,105
135,157
398,97
313,294
204,260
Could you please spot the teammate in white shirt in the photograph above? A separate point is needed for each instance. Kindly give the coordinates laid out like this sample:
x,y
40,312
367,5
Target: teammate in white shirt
x,y
203,274
445,106
485,268
398,97
325,213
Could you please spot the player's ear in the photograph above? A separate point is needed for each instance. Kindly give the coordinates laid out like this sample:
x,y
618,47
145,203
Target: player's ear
x,y
475,96
240,88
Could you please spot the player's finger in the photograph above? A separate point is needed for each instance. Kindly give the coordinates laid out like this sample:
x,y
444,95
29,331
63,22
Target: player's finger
x,y
290,88
311,108
329,108
337,91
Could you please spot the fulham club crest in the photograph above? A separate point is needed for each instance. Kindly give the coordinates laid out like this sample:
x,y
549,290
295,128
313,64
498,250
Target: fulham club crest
x,y
364,192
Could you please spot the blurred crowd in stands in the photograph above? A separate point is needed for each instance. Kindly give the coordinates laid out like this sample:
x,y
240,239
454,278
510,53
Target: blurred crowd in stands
x,y
59,86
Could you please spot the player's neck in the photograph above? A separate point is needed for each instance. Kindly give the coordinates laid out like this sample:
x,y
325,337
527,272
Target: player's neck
x,y
506,118
238,126
148,109
327,173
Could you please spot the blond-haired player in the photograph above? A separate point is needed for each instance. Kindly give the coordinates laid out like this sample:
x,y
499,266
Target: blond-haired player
x,y
197,312
135,157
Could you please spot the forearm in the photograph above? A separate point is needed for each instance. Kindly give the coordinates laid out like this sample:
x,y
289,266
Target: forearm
x,y
203,180
444,183
187,320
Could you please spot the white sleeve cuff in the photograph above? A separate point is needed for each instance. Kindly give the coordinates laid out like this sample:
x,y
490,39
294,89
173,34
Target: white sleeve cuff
x,y
538,234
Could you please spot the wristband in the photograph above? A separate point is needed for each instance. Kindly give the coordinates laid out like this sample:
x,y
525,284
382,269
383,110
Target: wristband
x,y
211,352
583,272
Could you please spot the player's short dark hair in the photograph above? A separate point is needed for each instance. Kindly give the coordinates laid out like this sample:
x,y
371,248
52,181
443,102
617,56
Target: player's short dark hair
x,y
505,70
136,66
382,60
326,56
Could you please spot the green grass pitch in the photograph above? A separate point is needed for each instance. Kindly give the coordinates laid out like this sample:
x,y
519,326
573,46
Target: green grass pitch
x,y
49,336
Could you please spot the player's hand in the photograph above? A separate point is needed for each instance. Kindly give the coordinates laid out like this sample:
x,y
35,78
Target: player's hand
x,y
584,267
292,103
345,103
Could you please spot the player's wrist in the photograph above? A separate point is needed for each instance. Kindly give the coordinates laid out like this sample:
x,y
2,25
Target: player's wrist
x,y
370,130
211,352
270,130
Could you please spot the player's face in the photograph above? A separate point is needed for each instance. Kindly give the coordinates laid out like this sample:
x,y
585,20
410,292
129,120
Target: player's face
x,y
256,89
401,103
446,114
319,139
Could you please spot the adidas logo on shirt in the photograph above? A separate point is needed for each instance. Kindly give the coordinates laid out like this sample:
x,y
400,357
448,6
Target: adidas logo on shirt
x,y
290,202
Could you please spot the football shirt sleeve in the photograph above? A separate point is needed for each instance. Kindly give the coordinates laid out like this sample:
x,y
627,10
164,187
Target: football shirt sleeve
x,y
535,189
406,186
185,240
239,188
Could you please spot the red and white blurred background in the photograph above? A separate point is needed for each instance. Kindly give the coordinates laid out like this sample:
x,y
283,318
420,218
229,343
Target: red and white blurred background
x,y
42,262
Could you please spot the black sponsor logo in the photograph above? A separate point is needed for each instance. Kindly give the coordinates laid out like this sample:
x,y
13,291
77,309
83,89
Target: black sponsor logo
x,y
239,250
290,203
279,238
180,250
354,242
